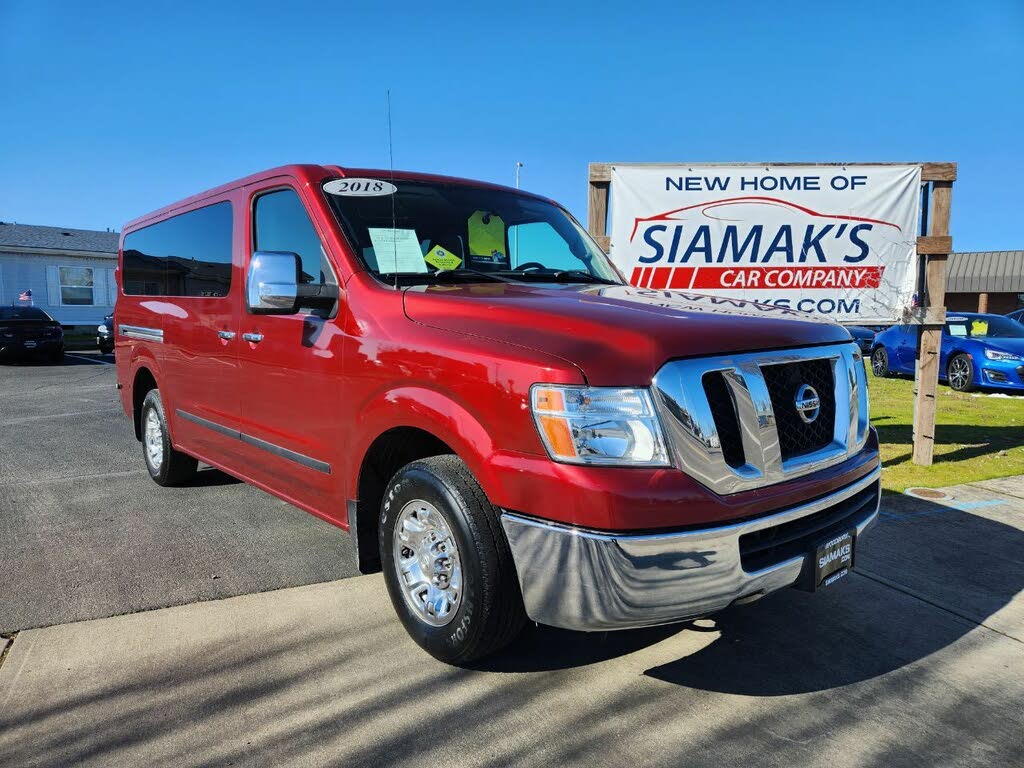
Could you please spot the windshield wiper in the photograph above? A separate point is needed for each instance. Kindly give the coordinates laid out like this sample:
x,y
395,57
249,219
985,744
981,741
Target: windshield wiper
x,y
474,272
587,277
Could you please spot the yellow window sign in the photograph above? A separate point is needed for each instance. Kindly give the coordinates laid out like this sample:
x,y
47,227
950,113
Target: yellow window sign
x,y
487,236
442,259
979,328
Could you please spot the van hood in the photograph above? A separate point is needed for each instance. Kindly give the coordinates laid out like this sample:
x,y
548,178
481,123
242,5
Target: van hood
x,y
617,335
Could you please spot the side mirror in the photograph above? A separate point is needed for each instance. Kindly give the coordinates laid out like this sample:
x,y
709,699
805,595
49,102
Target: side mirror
x,y
272,285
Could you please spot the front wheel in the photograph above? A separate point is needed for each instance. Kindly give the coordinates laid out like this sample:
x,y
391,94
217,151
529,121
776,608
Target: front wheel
x,y
447,563
960,373
880,362
167,466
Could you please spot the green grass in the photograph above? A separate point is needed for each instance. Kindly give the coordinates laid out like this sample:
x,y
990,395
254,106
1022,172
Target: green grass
x,y
976,437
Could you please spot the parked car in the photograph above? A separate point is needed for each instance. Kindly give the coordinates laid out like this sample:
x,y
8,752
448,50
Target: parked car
x,y
978,351
1018,316
105,335
864,337
28,332
456,374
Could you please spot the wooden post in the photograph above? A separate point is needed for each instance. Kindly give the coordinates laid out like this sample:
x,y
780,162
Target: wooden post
x,y
597,203
983,302
930,333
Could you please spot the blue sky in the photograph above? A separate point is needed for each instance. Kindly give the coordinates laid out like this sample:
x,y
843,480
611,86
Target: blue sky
x,y
110,110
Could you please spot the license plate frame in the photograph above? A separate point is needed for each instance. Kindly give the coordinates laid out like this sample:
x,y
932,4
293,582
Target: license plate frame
x,y
834,558
30,345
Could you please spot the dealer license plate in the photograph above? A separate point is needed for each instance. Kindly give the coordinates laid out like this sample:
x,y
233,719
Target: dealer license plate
x,y
833,559
30,345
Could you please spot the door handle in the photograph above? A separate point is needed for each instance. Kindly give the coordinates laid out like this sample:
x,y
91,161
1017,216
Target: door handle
x,y
226,335
255,338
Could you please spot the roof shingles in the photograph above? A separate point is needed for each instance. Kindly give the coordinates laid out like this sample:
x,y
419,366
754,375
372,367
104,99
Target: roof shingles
x,y
56,238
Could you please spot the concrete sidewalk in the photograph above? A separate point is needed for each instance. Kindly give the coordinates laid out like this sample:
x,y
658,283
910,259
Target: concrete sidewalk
x,y
918,659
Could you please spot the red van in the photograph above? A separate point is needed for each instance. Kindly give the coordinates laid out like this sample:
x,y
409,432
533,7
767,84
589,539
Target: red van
x,y
455,373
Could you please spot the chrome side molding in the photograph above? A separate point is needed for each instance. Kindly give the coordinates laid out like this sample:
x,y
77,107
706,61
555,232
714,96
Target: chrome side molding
x,y
274,448
693,435
141,333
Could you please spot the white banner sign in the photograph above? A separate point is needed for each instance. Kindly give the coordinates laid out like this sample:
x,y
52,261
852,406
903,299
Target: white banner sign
x,y
836,241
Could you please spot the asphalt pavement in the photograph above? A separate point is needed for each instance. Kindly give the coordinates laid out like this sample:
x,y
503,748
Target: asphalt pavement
x,y
85,533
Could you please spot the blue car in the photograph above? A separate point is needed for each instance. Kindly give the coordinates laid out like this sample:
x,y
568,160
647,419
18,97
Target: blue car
x,y
977,351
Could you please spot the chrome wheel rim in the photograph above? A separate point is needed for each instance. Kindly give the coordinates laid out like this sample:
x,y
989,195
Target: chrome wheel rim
x,y
427,562
959,373
154,439
876,362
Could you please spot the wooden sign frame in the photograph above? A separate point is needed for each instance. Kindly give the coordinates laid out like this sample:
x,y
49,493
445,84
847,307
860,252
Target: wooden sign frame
x,y
934,245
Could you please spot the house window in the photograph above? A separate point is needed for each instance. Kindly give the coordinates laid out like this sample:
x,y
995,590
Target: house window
x,y
76,286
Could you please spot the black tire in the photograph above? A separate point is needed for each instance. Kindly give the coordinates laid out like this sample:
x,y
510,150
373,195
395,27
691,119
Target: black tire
x,y
106,349
960,373
880,362
174,467
489,612
56,357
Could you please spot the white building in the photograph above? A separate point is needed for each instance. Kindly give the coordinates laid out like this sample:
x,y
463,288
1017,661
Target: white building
x,y
69,271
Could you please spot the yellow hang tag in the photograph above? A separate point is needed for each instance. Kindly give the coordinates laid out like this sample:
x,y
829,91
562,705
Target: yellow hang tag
x,y
979,328
442,259
487,236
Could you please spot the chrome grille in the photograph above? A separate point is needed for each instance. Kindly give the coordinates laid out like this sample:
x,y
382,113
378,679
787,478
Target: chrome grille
x,y
732,420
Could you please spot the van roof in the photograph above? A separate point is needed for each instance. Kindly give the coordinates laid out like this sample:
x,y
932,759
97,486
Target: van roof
x,y
311,174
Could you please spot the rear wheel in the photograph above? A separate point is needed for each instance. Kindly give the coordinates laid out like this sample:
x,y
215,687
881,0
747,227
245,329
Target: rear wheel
x,y
960,373
447,563
167,466
880,362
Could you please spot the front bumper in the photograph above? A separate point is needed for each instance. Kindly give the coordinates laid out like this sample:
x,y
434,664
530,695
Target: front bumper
x,y
587,580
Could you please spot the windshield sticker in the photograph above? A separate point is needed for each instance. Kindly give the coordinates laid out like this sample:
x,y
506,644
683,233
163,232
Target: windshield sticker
x,y
958,330
360,187
397,250
956,319
979,328
487,236
442,259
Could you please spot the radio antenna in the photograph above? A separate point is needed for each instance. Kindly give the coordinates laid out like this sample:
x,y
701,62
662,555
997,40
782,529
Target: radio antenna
x,y
391,162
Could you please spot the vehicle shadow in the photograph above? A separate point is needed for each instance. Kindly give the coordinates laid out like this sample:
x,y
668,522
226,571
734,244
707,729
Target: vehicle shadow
x,y
211,477
926,575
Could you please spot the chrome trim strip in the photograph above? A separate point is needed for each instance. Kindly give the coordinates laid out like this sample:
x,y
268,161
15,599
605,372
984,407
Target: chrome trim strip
x,y
285,453
590,580
277,450
142,333
693,435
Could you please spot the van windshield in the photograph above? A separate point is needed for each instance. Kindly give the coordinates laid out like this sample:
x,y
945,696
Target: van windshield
x,y
426,232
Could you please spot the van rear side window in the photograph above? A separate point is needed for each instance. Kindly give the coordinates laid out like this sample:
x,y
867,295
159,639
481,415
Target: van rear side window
x,y
187,255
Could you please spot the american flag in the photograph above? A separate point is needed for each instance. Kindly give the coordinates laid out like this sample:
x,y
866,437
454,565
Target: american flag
x,y
25,296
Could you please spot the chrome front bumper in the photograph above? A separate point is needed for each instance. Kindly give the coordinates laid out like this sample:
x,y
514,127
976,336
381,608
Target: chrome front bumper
x,y
591,581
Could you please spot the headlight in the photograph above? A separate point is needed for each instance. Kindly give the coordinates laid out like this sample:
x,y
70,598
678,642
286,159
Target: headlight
x,y
599,425
102,329
995,354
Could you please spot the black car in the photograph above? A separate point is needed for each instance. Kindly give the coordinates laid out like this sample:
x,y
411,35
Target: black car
x,y
105,335
30,332
863,336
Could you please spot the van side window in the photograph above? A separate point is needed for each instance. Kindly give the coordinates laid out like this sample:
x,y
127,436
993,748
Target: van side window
x,y
282,224
186,255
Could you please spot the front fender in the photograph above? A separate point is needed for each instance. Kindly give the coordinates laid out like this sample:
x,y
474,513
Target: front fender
x,y
433,412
